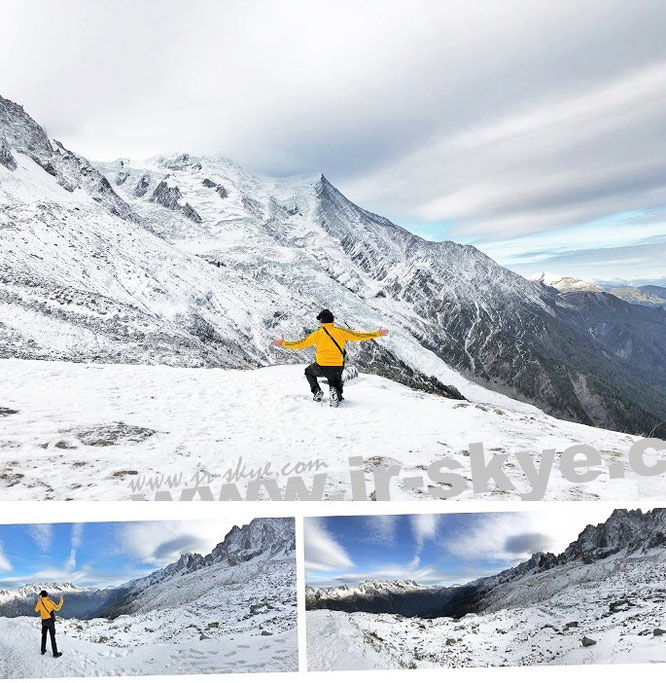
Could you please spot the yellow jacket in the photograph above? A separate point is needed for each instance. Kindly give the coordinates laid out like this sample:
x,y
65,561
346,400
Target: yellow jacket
x,y
327,352
45,606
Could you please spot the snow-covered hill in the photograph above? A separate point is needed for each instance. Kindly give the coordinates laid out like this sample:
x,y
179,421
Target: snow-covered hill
x,y
193,261
234,610
607,587
101,431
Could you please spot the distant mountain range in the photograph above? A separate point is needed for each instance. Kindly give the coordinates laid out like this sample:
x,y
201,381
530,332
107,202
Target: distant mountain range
x,y
653,294
192,261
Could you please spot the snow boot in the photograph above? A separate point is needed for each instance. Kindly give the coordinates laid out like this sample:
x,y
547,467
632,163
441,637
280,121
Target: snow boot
x,y
57,654
333,398
318,395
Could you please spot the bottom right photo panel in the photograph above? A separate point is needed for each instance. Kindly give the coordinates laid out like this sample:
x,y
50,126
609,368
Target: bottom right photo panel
x,y
570,585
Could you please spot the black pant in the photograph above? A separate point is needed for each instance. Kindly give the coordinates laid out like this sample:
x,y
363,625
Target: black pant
x,y
333,374
48,626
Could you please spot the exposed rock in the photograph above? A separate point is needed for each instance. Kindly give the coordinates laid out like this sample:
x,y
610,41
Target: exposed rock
x,y
6,156
142,186
217,187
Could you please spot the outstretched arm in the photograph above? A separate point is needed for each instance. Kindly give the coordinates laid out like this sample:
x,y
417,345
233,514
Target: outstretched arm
x,y
355,335
298,344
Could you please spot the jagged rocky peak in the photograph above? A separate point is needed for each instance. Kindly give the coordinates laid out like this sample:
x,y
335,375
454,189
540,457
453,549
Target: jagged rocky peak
x,y
625,531
168,195
270,537
142,185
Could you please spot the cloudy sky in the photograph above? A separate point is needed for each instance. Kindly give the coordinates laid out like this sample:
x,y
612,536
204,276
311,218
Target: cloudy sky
x,y
441,549
101,553
535,130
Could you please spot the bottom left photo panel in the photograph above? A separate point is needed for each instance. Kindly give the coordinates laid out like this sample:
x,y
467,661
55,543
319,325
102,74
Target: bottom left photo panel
x,y
148,597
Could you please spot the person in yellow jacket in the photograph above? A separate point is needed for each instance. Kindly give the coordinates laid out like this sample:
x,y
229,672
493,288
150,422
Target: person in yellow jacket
x,y
329,341
45,606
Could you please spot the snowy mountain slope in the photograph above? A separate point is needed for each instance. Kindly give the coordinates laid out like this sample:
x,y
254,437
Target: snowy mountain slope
x,y
231,610
21,135
116,427
193,261
551,631
244,555
609,586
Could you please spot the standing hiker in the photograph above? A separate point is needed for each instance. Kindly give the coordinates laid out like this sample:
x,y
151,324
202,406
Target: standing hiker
x,y
47,608
329,341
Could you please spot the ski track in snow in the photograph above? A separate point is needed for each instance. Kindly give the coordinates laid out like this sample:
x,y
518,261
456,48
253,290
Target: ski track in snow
x,y
529,628
88,428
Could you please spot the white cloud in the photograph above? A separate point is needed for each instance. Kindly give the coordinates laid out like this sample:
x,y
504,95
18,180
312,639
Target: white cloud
x,y
424,528
5,564
160,543
543,165
42,535
381,529
514,536
322,551
76,539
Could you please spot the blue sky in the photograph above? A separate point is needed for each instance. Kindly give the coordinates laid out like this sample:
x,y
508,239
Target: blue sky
x,y
100,553
511,125
441,549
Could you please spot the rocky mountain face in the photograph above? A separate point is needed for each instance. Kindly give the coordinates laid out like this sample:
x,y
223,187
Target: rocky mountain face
x,y
626,534
192,261
20,134
82,603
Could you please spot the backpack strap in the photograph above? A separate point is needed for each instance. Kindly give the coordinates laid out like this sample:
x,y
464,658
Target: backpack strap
x,y
344,353
46,609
